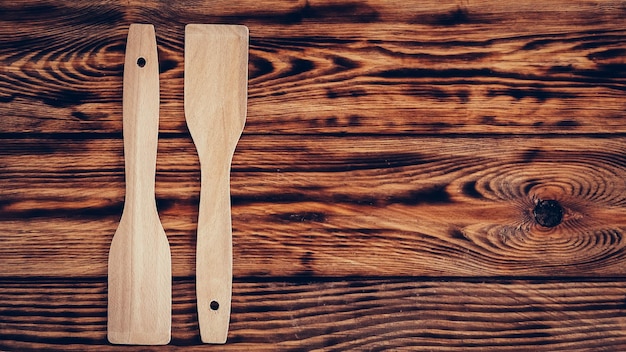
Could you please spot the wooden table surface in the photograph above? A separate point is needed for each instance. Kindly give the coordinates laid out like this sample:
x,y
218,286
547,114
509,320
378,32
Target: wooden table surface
x,y
431,175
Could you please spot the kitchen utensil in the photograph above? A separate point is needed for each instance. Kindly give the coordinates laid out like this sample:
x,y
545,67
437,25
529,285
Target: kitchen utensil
x,y
216,74
140,280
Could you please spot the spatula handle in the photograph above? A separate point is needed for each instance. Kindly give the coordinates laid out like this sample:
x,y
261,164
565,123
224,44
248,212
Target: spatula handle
x,y
214,254
141,115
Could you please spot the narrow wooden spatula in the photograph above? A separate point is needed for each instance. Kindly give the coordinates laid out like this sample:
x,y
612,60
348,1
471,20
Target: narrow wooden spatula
x,y
140,280
216,77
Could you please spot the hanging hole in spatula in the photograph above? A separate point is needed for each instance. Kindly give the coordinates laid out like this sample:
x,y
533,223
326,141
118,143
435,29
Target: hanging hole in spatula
x,y
214,305
141,62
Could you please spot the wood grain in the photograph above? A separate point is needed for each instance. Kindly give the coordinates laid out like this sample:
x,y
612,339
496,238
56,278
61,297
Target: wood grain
x,y
392,206
339,316
371,67
388,144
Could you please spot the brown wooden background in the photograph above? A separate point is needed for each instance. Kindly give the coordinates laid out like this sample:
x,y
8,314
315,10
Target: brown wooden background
x,y
383,191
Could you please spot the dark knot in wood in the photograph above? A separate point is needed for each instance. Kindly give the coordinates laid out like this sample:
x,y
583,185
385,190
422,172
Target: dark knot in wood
x,y
548,213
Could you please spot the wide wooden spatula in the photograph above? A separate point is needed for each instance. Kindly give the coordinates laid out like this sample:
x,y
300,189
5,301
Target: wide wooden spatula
x,y
140,280
216,77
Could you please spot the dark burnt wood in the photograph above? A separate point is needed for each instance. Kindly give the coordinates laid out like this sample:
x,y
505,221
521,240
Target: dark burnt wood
x,y
387,192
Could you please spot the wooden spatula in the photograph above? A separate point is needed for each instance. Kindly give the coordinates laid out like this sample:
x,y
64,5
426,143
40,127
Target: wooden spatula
x,y
216,77
140,280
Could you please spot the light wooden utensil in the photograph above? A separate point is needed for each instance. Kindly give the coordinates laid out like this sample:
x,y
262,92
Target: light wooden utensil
x,y
140,279
216,77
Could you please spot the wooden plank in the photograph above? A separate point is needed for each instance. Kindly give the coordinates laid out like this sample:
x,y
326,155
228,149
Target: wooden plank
x,y
45,315
331,206
376,67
